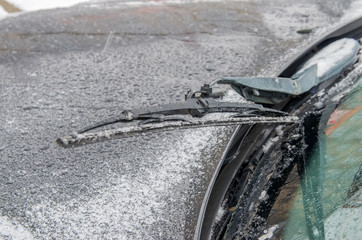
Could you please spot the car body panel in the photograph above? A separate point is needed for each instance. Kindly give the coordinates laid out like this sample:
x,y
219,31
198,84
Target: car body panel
x,y
63,69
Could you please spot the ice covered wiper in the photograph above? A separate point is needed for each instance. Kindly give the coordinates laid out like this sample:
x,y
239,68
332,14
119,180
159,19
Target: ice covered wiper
x,y
326,64
196,107
185,114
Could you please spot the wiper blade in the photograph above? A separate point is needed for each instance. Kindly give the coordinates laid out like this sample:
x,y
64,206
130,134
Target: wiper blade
x,y
196,107
169,116
93,137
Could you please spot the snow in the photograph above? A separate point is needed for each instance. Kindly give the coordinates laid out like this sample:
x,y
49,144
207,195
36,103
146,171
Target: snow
x,y
27,5
331,56
339,90
353,12
292,18
263,195
269,143
3,13
138,194
279,130
318,105
31,5
232,96
158,2
269,233
10,230
220,213
342,88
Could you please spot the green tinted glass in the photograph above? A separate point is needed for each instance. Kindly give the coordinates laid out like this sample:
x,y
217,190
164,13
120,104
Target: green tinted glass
x,y
328,206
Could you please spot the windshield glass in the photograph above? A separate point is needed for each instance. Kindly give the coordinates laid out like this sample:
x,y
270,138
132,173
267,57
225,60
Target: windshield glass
x,y
325,202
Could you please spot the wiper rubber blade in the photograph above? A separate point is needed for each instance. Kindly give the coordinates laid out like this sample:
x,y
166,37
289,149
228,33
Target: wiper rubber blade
x,y
93,137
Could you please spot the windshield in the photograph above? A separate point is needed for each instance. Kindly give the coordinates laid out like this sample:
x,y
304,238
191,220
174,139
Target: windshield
x,y
325,202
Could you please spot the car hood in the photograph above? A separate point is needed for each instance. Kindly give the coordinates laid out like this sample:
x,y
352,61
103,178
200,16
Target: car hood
x,y
63,69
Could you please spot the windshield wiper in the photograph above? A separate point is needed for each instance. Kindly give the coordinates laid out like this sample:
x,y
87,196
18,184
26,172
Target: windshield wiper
x,y
195,107
341,55
187,114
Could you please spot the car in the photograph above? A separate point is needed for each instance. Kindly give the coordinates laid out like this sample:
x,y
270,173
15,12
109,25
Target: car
x,y
65,69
